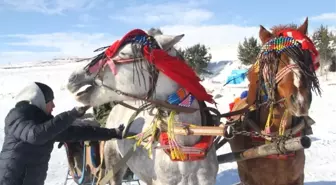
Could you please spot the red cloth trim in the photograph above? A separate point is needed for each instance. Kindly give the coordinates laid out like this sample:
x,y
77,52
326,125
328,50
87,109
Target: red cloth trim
x,y
179,71
203,145
176,69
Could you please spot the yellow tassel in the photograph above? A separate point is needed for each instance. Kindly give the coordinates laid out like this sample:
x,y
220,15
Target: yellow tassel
x,y
282,127
175,151
269,116
268,122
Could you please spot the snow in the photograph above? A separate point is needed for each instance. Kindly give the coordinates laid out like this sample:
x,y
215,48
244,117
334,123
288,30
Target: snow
x,y
320,162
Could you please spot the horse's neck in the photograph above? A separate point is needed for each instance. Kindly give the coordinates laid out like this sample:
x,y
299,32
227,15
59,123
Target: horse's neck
x,y
166,87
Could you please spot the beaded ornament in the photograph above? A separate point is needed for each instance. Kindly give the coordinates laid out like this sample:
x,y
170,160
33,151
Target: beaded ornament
x,y
279,44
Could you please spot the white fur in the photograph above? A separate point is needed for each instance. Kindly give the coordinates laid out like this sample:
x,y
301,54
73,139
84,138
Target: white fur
x,y
297,75
300,100
161,170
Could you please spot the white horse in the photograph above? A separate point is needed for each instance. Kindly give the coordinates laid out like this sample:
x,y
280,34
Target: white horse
x,y
117,86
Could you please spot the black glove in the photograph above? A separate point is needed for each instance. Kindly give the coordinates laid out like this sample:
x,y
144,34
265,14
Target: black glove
x,y
119,131
79,111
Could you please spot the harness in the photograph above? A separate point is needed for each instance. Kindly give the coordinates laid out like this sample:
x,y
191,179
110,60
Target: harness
x,y
178,102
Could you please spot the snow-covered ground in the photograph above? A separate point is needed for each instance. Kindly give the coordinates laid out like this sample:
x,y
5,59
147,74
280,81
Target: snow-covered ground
x,y
320,164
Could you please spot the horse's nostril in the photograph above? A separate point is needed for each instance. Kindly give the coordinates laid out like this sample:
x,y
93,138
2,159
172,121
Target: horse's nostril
x,y
292,98
73,78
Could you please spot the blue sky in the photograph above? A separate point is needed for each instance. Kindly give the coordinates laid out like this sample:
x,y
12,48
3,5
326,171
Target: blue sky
x,y
41,29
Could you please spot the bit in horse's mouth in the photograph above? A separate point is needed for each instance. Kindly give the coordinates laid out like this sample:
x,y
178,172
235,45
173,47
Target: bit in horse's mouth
x,y
85,89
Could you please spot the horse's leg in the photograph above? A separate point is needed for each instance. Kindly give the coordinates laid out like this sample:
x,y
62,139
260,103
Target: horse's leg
x,y
77,153
111,158
299,181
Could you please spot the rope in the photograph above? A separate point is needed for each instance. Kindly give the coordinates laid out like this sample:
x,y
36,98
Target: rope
x,y
175,148
150,133
283,123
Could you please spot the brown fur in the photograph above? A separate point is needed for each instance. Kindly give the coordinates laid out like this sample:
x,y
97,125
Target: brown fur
x,y
264,171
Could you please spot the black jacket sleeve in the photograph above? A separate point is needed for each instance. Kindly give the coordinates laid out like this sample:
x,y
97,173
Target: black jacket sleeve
x,y
86,133
37,134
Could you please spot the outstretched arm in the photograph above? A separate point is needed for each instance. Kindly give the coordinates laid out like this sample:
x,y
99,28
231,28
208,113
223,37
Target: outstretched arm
x,y
34,133
88,133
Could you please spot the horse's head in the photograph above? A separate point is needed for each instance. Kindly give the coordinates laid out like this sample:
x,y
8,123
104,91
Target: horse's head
x,y
286,66
126,71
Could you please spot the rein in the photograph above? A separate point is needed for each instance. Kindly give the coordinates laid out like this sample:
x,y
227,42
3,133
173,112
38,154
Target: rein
x,y
159,103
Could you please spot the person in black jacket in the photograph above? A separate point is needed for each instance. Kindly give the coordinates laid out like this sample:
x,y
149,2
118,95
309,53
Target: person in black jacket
x,y
30,133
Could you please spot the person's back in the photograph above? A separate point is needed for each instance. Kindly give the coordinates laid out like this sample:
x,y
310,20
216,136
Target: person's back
x,y
30,133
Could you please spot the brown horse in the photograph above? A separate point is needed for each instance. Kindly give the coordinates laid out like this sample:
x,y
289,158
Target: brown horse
x,y
280,88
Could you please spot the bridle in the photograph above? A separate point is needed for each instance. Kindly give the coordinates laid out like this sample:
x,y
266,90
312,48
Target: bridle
x,y
271,83
148,98
270,76
268,62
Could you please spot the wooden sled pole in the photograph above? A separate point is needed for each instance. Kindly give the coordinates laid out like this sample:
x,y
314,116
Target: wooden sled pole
x,y
199,131
290,145
219,130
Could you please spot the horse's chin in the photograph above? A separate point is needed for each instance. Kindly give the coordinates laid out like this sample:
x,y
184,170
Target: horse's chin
x,y
297,109
84,99
84,96
299,112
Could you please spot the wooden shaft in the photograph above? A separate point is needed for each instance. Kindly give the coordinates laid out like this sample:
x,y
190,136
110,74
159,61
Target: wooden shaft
x,y
290,145
200,130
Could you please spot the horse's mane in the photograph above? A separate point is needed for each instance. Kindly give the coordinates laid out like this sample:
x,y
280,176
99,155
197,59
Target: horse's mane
x,y
154,32
277,28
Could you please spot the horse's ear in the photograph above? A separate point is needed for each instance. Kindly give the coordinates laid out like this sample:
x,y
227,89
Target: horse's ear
x,y
304,27
264,34
168,41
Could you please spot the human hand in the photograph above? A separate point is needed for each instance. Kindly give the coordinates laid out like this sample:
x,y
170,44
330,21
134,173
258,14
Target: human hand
x,y
119,131
80,111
